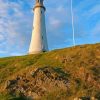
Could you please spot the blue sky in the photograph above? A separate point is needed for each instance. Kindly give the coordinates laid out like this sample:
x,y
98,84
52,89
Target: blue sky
x,y
16,19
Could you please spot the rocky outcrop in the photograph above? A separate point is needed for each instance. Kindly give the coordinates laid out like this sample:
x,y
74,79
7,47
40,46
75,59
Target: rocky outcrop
x,y
37,83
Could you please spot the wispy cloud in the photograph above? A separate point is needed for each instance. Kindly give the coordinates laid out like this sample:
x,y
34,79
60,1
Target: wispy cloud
x,y
2,52
95,10
13,21
96,29
92,11
1,37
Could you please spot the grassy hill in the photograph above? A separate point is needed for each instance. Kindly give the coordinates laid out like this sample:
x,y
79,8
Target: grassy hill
x,y
55,75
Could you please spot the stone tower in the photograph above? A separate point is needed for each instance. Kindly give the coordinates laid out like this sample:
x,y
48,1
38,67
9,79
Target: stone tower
x,y
38,42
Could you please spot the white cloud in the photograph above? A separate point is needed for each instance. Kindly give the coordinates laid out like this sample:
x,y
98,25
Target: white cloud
x,y
1,37
96,29
14,24
16,54
57,17
55,23
3,52
91,12
95,10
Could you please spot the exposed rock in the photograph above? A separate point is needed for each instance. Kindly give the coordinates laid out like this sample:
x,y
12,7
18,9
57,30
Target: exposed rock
x,y
10,83
66,59
38,83
85,98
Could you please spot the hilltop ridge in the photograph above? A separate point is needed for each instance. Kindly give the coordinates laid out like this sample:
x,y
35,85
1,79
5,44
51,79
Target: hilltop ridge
x,y
56,75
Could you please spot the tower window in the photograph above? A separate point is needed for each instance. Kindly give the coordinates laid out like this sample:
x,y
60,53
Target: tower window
x,y
41,12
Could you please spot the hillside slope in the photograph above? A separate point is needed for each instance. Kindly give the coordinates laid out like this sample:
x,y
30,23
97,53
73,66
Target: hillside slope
x,y
57,75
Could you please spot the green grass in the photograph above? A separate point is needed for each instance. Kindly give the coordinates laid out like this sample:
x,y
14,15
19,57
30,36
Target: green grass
x,y
10,97
79,59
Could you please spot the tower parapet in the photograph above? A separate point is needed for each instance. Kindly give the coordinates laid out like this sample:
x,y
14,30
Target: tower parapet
x,y
39,3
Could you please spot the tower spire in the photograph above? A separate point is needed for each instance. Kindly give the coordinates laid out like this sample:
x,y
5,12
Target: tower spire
x,y
38,42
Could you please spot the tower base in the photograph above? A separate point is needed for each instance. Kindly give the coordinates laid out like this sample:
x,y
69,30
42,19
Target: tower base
x,y
36,52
